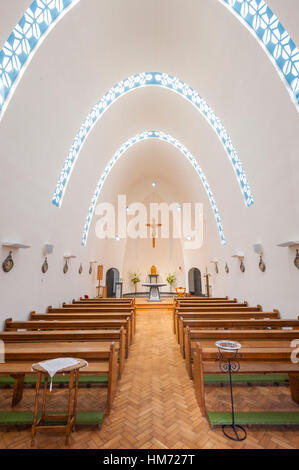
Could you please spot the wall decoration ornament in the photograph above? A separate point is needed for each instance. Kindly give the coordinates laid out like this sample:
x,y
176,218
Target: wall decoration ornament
x,y
296,260
260,20
65,267
17,52
8,263
159,135
80,269
262,265
90,269
129,84
226,268
45,266
242,266
215,261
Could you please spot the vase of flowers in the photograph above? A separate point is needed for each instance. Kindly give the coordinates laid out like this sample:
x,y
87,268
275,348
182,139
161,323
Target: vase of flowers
x,y
170,278
135,279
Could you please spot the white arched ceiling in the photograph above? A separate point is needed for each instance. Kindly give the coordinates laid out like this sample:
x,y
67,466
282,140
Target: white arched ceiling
x,y
260,20
139,80
43,15
32,29
165,138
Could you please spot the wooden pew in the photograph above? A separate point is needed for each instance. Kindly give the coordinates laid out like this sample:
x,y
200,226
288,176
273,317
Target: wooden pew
x,y
48,324
96,316
197,298
195,321
252,361
102,359
222,307
117,336
78,308
205,301
213,311
192,336
130,301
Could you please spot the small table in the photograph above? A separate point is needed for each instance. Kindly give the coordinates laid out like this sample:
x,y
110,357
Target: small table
x,y
154,293
43,423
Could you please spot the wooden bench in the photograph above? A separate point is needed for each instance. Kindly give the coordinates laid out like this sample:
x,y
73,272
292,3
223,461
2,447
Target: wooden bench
x,y
102,360
217,315
185,320
192,336
90,308
253,361
184,302
97,324
130,301
70,335
95,316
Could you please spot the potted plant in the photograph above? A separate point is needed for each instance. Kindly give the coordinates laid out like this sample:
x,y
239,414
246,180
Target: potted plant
x,y
135,278
170,278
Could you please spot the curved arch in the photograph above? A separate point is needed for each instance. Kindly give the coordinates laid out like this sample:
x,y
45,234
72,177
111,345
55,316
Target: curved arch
x,y
159,135
38,20
132,83
260,20
42,16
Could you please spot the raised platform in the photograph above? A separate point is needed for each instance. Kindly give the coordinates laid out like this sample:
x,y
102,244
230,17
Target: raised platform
x,y
142,304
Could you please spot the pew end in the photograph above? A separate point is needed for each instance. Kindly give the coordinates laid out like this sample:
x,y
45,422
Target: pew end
x,y
6,324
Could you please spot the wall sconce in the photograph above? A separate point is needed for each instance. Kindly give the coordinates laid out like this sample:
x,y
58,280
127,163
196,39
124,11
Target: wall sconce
x,y
215,261
48,249
226,268
80,269
241,259
66,266
90,265
257,248
8,263
290,245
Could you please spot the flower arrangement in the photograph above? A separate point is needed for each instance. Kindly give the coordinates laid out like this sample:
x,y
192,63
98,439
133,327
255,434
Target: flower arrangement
x,y
135,279
170,278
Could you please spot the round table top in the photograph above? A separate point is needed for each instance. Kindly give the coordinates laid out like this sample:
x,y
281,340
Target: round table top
x,y
81,363
154,284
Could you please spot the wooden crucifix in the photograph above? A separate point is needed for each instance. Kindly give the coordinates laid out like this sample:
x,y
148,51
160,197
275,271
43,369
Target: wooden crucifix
x,y
154,226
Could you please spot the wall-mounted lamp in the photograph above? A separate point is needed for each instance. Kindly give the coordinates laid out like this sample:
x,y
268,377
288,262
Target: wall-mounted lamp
x,y
90,265
240,257
67,257
258,248
215,261
8,263
292,244
47,250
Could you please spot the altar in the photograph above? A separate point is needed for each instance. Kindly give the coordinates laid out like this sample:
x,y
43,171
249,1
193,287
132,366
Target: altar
x,y
154,286
154,293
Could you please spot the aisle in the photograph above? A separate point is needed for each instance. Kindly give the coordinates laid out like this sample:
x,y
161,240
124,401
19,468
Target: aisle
x,y
155,405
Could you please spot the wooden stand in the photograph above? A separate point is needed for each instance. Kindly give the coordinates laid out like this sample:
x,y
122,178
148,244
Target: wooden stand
x,y
41,422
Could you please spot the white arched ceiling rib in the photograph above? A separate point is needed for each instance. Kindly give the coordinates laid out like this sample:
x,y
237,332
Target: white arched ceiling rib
x,y
43,15
38,20
132,83
260,20
140,138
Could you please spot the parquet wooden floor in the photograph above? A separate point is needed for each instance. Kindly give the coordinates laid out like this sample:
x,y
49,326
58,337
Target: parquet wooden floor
x,y
155,406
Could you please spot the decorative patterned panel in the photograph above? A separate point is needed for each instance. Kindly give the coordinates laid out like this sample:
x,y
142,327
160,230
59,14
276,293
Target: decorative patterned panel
x,y
27,36
165,138
142,80
275,40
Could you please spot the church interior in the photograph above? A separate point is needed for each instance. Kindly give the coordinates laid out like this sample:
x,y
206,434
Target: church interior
x,y
177,330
